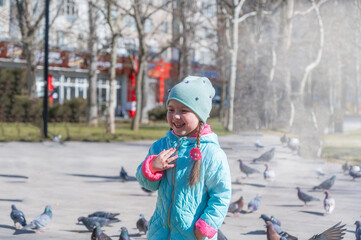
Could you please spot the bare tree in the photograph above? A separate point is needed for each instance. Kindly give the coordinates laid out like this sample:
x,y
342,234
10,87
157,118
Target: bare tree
x,y
142,12
30,14
113,22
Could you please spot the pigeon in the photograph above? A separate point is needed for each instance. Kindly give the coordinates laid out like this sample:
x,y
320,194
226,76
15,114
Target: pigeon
x,y
41,221
277,227
102,214
328,203
221,236
345,167
91,222
268,174
124,234
271,233
327,184
265,157
258,144
147,191
305,197
246,169
283,139
320,173
253,205
354,174
98,234
358,230
236,207
142,224
333,233
17,216
124,175
293,144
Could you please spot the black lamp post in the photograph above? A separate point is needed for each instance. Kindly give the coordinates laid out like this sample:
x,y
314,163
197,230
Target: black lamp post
x,y
46,70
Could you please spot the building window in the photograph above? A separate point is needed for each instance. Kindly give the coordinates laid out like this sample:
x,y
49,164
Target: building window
x,y
69,9
164,55
129,22
148,25
164,27
60,38
2,3
209,9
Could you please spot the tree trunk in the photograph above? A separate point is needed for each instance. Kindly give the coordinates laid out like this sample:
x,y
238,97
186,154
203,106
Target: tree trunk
x,y
234,53
29,52
338,116
112,89
138,93
145,92
92,68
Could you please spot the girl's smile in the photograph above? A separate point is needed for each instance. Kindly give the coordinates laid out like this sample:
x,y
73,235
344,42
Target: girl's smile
x,y
181,119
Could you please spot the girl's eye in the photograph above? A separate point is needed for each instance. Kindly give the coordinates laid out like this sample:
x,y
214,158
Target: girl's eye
x,y
170,110
184,111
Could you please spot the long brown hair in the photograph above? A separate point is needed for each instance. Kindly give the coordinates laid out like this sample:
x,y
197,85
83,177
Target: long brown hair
x,y
196,169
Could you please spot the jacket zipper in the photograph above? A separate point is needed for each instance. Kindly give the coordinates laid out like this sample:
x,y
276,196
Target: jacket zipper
x,y
173,181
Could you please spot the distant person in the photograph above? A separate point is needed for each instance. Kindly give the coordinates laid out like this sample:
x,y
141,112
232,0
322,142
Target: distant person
x,y
188,168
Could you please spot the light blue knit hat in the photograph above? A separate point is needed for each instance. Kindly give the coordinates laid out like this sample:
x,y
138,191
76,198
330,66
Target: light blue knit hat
x,y
196,93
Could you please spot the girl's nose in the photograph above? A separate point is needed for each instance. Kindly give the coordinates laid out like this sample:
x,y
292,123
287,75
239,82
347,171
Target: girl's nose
x,y
176,115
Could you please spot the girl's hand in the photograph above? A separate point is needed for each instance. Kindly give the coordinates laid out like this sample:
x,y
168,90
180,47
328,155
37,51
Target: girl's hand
x,y
163,160
198,234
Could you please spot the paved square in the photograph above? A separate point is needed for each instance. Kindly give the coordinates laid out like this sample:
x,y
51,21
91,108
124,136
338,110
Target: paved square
x,y
78,178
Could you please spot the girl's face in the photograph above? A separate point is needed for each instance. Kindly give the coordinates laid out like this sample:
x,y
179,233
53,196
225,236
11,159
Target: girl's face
x,y
181,119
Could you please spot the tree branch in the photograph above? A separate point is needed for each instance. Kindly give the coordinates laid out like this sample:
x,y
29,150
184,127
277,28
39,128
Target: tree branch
x,y
315,63
311,8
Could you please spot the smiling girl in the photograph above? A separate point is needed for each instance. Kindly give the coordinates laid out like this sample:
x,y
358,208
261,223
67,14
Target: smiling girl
x,y
188,168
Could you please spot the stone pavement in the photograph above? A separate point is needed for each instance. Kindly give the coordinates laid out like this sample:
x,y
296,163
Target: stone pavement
x,y
78,178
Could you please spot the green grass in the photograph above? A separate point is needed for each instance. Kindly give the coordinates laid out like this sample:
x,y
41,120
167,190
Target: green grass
x,y
341,147
82,132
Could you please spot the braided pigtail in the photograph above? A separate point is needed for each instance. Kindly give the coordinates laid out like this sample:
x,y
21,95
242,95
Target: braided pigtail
x,y
196,156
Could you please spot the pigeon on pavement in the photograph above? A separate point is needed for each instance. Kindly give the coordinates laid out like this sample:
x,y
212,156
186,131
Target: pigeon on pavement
x,y
41,221
271,233
17,216
124,234
246,169
333,233
304,197
221,236
277,227
358,230
253,205
142,224
102,214
98,234
236,207
294,145
328,203
258,144
327,184
91,222
124,175
320,173
268,174
265,157
354,174
345,166
283,139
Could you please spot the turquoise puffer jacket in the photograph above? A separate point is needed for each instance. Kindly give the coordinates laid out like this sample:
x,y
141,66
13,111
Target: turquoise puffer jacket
x,y
178,206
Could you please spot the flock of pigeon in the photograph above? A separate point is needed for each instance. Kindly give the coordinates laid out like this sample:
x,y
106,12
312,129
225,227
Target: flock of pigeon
x,y
273,226
94,222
